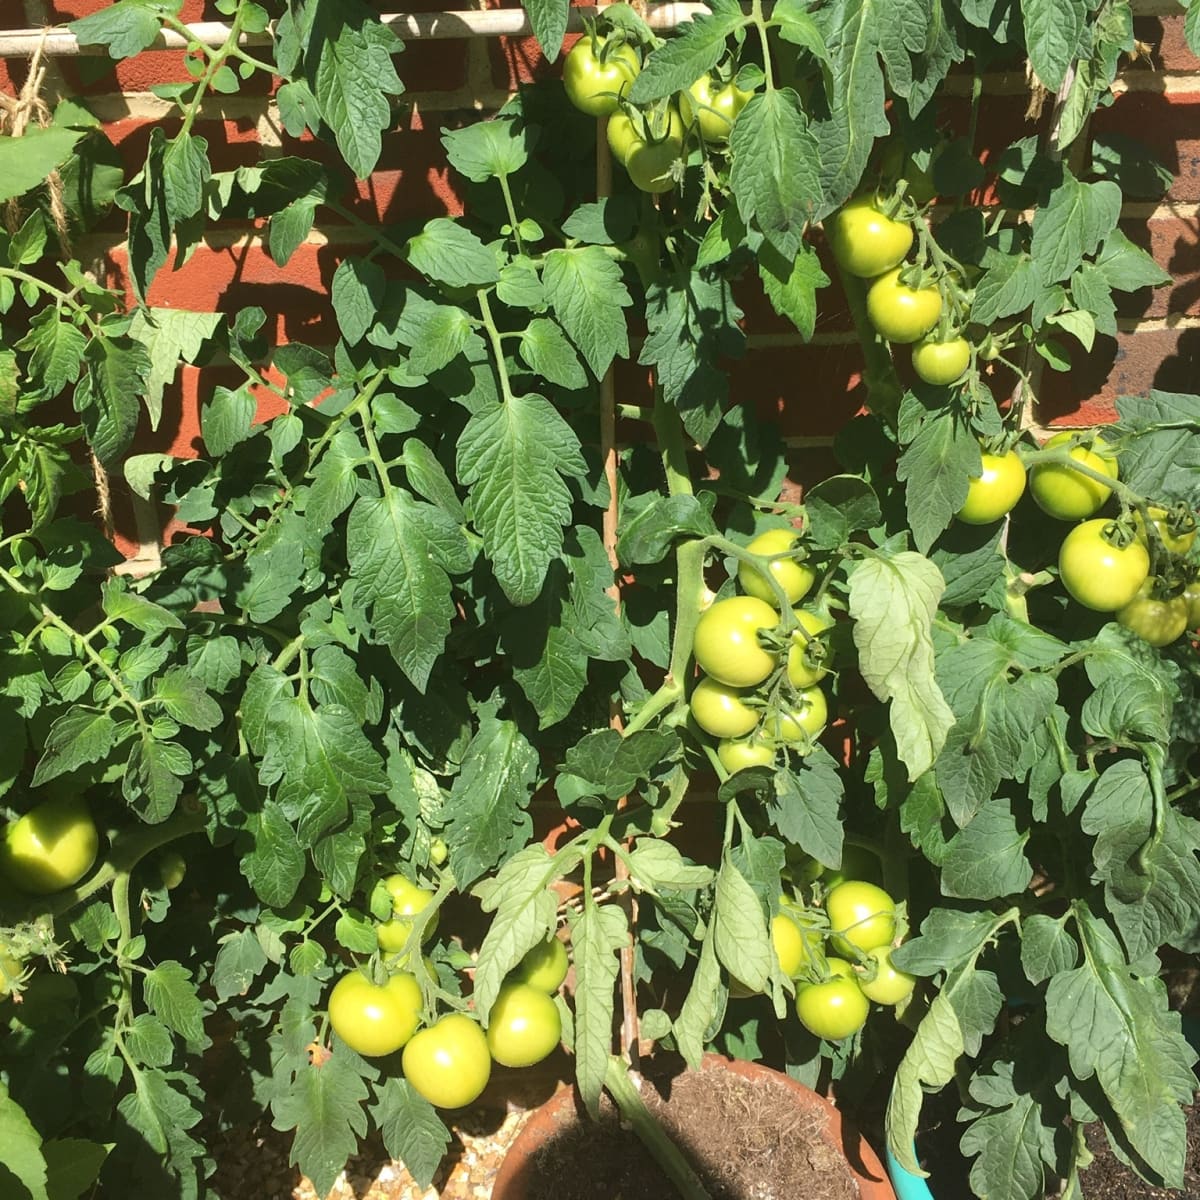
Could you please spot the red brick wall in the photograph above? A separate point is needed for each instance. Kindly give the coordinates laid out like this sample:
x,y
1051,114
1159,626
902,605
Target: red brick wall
x,y
814,387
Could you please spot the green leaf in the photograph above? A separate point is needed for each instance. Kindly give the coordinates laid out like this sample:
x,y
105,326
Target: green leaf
x,y
803,806
436,334
1046,948
549,21
77,737
776,168
21,1147
325,1108
334,482
487,149
107,395
512,456
1117,1027
169,335
1127,267
893,600
697,47
357,294
154,775
171,996
351,73
793,292
597,938
276,865
545,349
1073,223
740,934
239,962
185,698
986,859
612,765
400,552
163,1115
651,523
72,1166
701,1005
444,250
489,797
27,161
185,175
658,866
1010,285
1054,36
29,241
125,28
412,1131
584,287
935,467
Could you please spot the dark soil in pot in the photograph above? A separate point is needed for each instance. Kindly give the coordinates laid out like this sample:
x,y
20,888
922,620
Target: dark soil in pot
x,y
745,1139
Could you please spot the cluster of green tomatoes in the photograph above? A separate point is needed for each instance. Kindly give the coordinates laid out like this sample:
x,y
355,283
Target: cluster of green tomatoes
x,y
838,956
1135,566
759,688
449,1061
647,142
904,302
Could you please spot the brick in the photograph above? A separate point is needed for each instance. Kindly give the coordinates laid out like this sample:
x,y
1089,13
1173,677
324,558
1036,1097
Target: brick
x,y
1169,48
1130,365
1169,126
433,66
811,391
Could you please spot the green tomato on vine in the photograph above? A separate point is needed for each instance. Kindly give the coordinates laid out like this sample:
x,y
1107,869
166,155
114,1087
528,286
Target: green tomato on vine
x,y
865,241
598,72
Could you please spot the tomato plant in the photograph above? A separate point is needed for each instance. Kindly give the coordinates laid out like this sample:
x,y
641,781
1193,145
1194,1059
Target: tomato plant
x,y
435,580
449,1063
523,1026
1101,568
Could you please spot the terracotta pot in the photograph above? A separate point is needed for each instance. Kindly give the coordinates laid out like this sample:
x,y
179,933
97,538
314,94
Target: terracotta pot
x,y
563,1109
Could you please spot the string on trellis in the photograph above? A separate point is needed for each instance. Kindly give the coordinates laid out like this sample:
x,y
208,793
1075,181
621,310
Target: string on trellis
x,y
16,114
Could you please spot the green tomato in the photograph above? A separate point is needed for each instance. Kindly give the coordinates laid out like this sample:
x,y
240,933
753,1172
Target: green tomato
x,y
861,915
10,974
1066,494
438,851
545,966
649,160
941,363
622,136
1099,574
375,1019
596,77
1156,621
794,577
523,1026
449,1063
712,112
802,722
1177,540
805,660
835,1009
889,986
797,949
864,241
408,899
995,491
51,847
726,643
800,868
720,710
171,869
901,313
1191,594
736,755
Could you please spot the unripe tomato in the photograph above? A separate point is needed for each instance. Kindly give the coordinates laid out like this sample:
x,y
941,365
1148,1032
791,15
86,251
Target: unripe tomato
x,y
736,756
726,642
1098,573
889,986
800,868
864,241
523,1026
861,915
834,1009
803,721
720,710
1157,621
375,1019
1065,493
649,160
1191,594
795,948
805,668
901,313
1175,541
794,577
712,112
941,363
408,899
171,869
449,1063
438,851
53,846
995,491
545,966
596,77
622,136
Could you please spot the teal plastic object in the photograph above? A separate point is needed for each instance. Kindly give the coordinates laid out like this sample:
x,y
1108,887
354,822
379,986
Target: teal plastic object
x,y
908,1186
